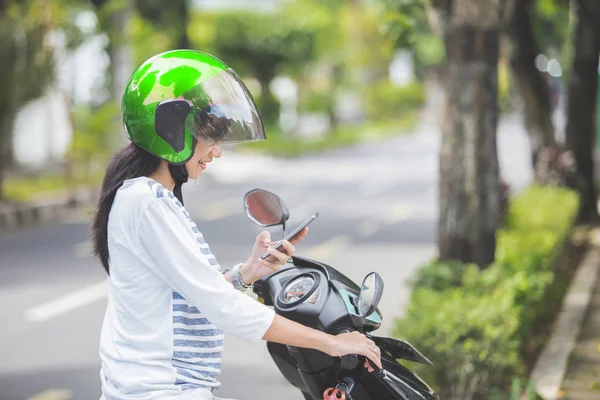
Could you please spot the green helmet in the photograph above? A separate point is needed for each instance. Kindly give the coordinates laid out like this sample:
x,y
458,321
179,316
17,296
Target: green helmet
x,y
180,96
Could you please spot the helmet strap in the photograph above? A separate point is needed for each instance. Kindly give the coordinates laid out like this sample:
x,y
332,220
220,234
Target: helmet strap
x,y
180,175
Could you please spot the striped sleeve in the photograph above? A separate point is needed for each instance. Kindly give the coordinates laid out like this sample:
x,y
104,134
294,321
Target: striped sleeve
x,y
172,252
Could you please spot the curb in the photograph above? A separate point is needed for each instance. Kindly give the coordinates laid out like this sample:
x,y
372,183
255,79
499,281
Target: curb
x,y
550,368
38,213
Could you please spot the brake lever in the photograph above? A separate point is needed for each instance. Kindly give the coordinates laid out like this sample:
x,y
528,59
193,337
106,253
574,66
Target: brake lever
x,y
373,369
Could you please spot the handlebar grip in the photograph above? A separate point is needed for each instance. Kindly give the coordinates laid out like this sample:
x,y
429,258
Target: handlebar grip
x,y
350,361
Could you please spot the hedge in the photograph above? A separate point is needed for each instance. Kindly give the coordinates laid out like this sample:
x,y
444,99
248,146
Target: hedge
x,y
480,326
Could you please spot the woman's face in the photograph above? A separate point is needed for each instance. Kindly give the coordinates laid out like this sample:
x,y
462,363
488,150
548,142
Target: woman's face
x,y
203,154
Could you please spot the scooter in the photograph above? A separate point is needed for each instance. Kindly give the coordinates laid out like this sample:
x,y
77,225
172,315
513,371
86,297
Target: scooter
x,y
319,296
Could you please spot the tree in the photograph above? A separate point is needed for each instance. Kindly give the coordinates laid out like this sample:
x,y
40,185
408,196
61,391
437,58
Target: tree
x,y
403,21
113,17
26,65
530,82
581,107
262,44
172,15
469,173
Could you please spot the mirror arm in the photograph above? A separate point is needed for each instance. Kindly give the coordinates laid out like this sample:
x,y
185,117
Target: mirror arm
x,y
283,230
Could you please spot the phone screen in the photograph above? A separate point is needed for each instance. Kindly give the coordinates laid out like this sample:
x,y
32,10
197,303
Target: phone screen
x,y
293,233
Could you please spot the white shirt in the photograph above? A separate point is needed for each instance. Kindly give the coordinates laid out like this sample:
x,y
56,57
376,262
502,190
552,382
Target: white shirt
x,y
168,302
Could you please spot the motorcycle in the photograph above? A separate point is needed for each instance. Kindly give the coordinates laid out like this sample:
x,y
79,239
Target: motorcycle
x,y
319,296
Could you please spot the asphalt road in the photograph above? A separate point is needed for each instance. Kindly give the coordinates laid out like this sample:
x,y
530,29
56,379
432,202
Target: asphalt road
x,y
378,212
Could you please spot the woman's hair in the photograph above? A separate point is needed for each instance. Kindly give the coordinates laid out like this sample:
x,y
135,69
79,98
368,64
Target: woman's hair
x,y
130,162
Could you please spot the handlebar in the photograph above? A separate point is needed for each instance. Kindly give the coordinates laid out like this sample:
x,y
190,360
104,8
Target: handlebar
x,y
349,361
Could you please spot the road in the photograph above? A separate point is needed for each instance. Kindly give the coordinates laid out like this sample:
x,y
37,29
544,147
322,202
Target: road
x,y
378,213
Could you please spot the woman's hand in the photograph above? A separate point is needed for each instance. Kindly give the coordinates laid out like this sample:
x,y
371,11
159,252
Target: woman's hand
x,y
354,343
255,268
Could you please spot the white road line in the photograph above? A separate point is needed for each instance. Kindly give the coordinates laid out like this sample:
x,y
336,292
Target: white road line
x,y
368,228
69,302
328,248
53,394
398,213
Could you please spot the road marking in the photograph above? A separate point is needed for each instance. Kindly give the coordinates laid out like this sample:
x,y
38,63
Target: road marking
x,y
53,394
398,213
328,248
82,250
220,210
66,303
368,228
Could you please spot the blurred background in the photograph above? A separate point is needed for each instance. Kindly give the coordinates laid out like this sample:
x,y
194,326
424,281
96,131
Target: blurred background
x,y
449,145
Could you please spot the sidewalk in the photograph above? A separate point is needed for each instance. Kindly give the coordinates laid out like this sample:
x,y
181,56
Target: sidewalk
x,y
582,379
46,210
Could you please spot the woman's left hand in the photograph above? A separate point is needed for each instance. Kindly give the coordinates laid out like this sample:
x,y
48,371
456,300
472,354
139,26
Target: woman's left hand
x,y
256,267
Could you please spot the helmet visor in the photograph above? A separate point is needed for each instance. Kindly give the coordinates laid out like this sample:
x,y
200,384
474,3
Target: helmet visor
x,y
223,111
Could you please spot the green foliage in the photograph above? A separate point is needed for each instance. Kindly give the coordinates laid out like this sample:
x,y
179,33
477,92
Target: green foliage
x,y
167,17
403,21
475,324
94,130
550,21
468,337
321,20
261,45
440,276
368,52
383,100
146,40
31,188
538,207
280,145
429,50
519,391
27,64
316,101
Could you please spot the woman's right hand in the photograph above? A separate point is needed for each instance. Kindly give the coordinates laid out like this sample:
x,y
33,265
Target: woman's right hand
x,y
354,343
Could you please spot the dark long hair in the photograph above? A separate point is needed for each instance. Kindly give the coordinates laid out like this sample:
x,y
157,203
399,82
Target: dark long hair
x,y
130,162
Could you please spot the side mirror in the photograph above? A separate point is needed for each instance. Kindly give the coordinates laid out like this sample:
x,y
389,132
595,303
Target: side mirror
x,y
370,294
265,208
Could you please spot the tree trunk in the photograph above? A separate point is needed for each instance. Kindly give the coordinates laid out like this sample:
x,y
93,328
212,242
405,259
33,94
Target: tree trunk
x,y
118,50
530,82
120,57
183,41
6,127
7,92
469,172
581,107
438,16
268,105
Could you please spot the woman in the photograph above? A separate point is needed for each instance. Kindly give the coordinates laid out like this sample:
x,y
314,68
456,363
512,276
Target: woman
x,y
168,302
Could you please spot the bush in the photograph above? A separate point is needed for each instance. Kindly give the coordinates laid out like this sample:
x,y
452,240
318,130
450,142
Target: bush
x,y
478,326
439,276
316,102
468,337
383,100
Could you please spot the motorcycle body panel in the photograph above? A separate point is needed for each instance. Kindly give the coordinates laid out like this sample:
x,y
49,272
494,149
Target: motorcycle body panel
x,y
333,309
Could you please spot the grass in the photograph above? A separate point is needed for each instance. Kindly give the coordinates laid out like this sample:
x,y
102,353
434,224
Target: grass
x,y
345,136
26,189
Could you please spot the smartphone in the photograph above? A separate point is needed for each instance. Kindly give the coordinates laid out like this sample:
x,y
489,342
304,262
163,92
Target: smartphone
x,y
292,234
